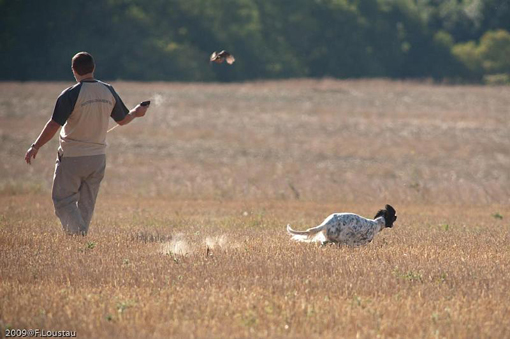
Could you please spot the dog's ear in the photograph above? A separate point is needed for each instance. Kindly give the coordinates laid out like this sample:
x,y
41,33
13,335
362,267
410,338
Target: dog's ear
x,y
390,216
380,214
390,209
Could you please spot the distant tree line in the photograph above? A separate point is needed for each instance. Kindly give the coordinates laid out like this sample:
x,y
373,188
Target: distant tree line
x,y
171,40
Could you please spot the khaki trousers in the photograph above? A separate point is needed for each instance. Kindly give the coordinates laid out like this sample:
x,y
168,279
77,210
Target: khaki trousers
x,y
75,187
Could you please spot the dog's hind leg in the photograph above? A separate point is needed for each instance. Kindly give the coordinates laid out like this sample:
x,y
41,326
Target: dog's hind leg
x,y
325,242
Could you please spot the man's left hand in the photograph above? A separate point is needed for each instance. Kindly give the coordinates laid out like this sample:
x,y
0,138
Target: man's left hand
x,y
31,153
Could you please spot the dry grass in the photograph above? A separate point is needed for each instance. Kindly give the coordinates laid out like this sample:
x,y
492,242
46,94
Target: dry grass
x,y
229,166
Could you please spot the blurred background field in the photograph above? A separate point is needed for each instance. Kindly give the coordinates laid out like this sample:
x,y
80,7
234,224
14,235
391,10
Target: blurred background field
x,y
310,140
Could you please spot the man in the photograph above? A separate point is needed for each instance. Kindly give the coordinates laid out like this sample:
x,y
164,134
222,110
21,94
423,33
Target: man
x,y
84,111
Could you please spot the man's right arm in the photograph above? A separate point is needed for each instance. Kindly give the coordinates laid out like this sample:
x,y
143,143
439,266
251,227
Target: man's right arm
x,y
137,112
120,113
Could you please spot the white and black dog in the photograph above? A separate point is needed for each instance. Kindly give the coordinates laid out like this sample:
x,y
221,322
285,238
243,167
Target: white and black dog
x,y
347,228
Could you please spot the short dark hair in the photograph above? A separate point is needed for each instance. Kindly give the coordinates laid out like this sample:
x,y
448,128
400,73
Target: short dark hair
x,y
83,63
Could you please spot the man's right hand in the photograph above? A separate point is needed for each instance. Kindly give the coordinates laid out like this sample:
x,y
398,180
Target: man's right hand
x,y
140,110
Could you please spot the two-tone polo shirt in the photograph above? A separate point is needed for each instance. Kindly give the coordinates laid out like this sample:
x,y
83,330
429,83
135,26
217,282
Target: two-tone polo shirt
x,y
84,111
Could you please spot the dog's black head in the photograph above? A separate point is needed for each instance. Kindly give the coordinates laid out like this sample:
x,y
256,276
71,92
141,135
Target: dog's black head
x,y
389,215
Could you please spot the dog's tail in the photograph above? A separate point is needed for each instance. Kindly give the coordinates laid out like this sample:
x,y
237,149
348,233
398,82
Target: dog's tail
x,y
310,235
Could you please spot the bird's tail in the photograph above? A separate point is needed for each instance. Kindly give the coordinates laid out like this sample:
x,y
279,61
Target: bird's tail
x,y
310,235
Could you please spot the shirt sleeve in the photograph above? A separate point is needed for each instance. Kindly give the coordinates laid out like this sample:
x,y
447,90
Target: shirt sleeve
x,y
120,110
65,105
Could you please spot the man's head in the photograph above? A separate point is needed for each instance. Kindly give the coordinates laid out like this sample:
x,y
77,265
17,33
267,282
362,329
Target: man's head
x,y
82,64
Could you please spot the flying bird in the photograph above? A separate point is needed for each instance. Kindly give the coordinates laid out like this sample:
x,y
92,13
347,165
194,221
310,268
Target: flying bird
x,y
222,56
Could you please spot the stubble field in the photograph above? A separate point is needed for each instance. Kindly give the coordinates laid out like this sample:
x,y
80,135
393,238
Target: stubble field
x,y
188,237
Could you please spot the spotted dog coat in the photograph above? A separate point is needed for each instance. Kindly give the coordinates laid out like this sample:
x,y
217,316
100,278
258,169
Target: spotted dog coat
x,y
347,228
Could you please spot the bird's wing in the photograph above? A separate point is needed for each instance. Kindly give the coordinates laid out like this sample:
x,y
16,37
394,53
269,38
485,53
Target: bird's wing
x,y
230,59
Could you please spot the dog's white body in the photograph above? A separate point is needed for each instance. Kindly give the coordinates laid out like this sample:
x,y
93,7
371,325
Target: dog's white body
x,y
343,228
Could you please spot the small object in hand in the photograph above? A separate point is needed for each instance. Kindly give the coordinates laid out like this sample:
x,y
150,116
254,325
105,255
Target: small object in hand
x,y
145,103
222,56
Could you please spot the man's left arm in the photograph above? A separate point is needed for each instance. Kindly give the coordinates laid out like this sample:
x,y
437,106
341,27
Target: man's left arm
x,y
48,132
